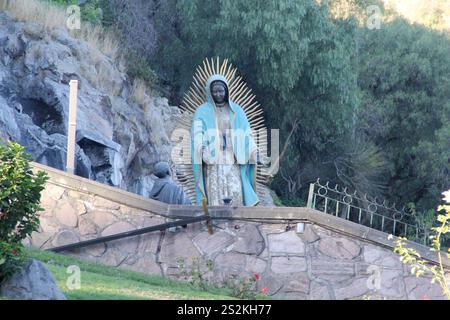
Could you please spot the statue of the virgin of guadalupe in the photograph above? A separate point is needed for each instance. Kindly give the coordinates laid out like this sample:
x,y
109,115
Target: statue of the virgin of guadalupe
x,y
223,150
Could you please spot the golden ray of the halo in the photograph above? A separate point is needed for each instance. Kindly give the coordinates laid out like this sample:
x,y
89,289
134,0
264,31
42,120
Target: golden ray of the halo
x,y
187,110
258,112
241,98
242,91
224,67
257,123
205,67
232,74
188,103
243,95
257,128
198,88
201,75
195,98
193,92
218,66
208,67
197,83
237,89
252,111
234,83
211,65
253,106
228,72
248,100
216,70
187,96
193,101
255,117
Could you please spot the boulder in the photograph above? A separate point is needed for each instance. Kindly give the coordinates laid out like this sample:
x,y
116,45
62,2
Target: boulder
x,y
33,282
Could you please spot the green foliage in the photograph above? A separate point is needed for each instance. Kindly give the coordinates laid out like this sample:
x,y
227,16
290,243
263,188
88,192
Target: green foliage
x,y
19,203
197,272
62,2
242,288
200,274
404,76
90,11
12,257
138,67
20,193
421,266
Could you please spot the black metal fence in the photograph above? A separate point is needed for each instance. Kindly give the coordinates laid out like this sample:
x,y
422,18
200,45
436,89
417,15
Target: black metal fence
x,y
367,211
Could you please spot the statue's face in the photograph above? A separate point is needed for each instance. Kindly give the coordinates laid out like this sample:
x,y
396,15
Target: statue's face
x,y
218,93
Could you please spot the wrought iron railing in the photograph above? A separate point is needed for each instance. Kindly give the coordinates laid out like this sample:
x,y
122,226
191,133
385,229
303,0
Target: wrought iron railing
x,y
371,212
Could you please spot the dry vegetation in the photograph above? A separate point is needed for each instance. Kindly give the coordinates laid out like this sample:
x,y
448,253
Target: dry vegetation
x,y
139,93
52,17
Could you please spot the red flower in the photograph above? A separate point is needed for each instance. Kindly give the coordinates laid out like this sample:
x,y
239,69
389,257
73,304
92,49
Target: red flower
x,y
257,276
14,252
264,290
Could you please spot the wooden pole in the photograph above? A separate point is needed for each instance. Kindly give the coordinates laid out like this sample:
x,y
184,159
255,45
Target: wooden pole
x,y
208,220
72,128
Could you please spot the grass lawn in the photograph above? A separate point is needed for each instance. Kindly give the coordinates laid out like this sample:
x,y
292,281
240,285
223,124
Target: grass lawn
x,y
99,282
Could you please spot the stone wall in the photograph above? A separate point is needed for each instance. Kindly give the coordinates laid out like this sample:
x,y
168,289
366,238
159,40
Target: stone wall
x,y
330,259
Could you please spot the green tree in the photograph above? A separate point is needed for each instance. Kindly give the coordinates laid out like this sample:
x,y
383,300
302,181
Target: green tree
x,y
404,76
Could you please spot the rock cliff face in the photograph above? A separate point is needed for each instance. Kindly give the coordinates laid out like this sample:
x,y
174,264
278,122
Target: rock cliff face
x,y
117,140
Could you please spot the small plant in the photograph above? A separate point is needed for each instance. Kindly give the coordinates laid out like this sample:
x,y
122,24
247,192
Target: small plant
x,y
242,288
196,273
421,266
11,258
246,288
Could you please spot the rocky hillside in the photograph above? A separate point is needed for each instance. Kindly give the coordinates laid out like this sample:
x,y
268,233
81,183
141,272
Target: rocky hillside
x,y
118,141
121,130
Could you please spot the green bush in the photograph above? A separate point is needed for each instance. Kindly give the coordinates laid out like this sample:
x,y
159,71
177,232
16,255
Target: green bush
x,y
20,193
11,259
90,11
139,68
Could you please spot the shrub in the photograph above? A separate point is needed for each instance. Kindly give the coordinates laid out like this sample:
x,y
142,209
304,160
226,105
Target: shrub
x,y
421,266
20,193
200,274
11,259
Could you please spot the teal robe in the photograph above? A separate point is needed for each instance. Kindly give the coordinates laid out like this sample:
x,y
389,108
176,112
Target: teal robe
x,y
204,131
